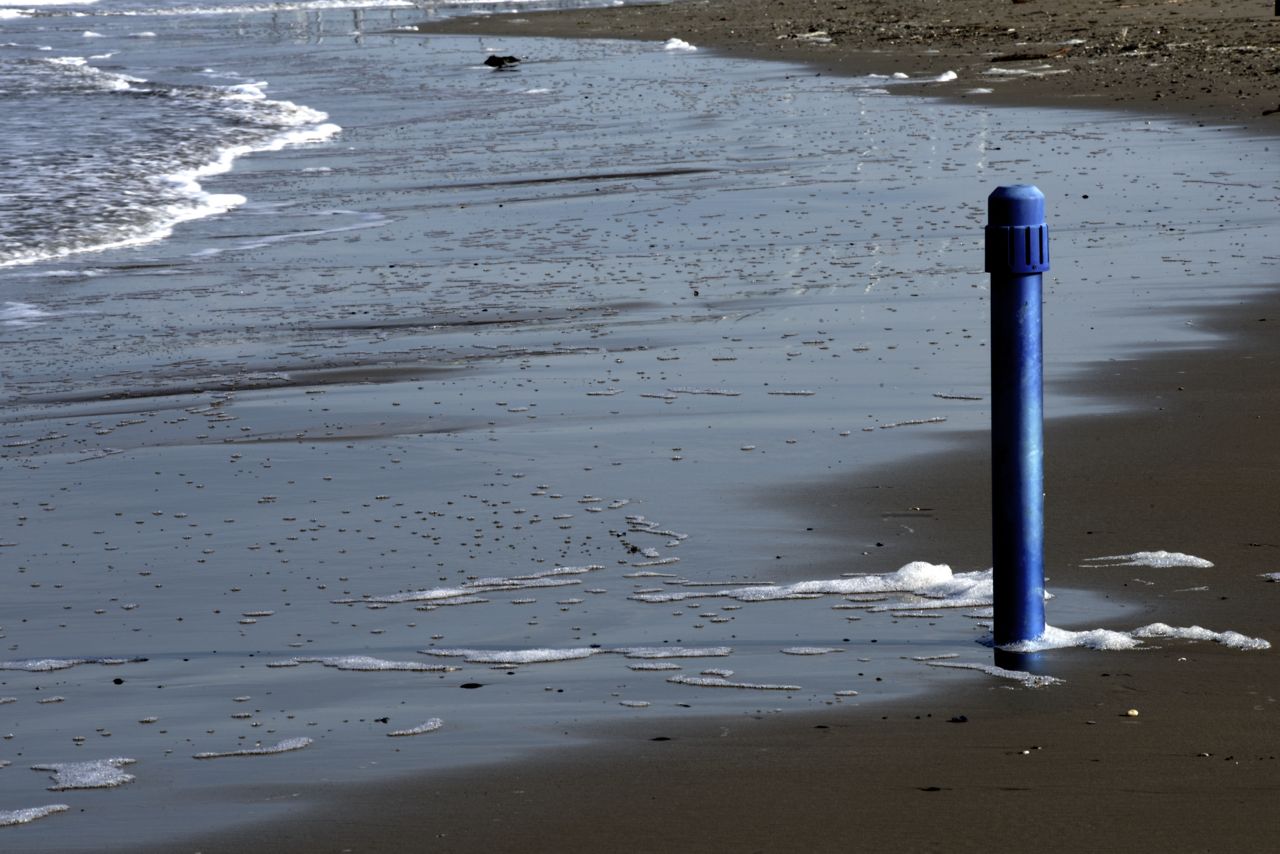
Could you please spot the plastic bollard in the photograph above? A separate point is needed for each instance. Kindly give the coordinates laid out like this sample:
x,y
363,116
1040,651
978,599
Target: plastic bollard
x,y
1017,254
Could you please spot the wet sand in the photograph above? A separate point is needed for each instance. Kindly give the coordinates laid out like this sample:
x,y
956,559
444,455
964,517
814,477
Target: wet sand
x,y
1210,59
1197,769
1191,463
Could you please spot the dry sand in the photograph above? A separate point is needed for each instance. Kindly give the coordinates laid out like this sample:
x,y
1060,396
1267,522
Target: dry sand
x,y
1192,465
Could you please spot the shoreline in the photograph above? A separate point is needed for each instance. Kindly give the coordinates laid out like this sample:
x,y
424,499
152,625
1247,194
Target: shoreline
x,y
1133,57
1196,768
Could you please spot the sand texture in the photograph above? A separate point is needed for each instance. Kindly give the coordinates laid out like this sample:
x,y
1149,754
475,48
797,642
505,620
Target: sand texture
x,y
1183,454
1210,58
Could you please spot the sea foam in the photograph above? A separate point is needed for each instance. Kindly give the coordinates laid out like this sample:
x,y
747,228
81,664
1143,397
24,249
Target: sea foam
x,y
362,662
8,818
1156,559
94,774
284,746
1107,639
430,725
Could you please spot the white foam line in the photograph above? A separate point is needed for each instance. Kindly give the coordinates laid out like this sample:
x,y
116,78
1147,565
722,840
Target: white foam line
x,y
8,818
94,774
933,581
1156,559
363,662
514,656
430,725
720,682
304,126
719,392
280,747
1107,639
37,665
1030,680
480,585
652,652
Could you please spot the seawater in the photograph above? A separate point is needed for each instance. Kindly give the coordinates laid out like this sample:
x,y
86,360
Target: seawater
x,y
353,389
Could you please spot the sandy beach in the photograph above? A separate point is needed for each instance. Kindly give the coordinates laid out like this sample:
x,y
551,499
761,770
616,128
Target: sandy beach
x,y
455,358
1210,59
1190,461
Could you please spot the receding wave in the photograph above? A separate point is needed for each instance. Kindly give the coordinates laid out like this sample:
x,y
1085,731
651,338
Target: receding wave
x,y
119,185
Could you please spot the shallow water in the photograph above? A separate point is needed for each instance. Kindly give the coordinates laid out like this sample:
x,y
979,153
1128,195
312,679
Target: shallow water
x,y
472,334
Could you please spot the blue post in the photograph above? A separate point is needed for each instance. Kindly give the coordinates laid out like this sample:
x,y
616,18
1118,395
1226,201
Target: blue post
x,y
1017,255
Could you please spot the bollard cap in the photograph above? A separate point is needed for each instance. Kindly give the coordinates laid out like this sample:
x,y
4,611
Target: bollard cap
x,y
1017,236
1017,204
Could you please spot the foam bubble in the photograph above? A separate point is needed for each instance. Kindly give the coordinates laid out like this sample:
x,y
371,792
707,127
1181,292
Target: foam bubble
x,y
1156,560
677,44
810,650
1107,639
363,662
430,725
651,652
933,581
1029,680
496,584
514,656
653,665
1271,576
39,665
721,682
715,392
946,77
94,774
284,746
1235,640
8,818
1055,638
